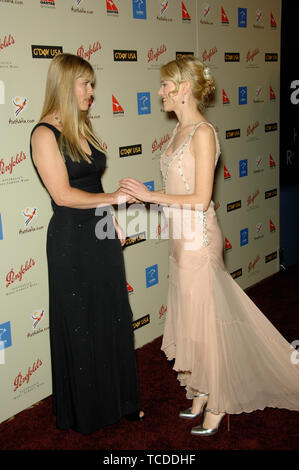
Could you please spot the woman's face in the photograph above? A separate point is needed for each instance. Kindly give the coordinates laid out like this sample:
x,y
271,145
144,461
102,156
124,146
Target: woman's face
x,y
84,92
169,101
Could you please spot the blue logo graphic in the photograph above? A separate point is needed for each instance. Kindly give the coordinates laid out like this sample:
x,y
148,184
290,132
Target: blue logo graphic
x,y
144,103
242,17
242,94
150,185
139,9
1,231
244,237
151,274
5,335
243,168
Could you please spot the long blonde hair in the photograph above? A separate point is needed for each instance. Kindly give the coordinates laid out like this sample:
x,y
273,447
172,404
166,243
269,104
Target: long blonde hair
x,y
60,97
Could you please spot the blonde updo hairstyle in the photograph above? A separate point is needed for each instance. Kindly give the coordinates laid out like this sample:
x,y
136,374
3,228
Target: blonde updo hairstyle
x,y
190,68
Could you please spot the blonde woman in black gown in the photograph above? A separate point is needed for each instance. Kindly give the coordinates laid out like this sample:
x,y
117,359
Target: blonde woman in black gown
x,y
94,372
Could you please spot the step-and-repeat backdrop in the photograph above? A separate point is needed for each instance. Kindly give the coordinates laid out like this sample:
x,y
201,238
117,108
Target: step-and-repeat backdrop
x,y
127,41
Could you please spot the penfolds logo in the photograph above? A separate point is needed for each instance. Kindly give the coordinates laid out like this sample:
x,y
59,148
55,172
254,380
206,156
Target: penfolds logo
x,y
208,55
251,129
251,55
158,146
91,50
11,276
253,263
151,55
251,198
6,42
8,168
20,379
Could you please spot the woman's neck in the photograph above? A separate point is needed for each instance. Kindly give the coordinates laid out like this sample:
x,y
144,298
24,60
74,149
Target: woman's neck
x,y
188,114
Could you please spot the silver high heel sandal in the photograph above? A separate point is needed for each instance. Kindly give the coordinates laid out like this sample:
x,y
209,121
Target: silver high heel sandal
x,y
201,431
187,414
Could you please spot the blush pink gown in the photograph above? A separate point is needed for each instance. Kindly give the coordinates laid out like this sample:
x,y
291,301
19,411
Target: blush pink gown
x,y
222,343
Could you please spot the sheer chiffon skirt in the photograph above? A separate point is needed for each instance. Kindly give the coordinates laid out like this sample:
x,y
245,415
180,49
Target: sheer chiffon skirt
x,y
221,342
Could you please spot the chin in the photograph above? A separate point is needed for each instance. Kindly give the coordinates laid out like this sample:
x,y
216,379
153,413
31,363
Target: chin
x,y
167,109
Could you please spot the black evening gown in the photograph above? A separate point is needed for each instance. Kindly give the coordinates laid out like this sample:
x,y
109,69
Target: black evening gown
x,y
94,373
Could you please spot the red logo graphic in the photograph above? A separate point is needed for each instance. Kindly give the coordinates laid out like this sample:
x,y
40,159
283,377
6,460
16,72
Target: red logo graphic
x,y
225,98
111,8
20,380
11,277
13,162
258,161
208,55
7,41
29,213
258,16
272,163
91,50
251,198
158,146
224,18
272,94
206,10
117,109
129,288
251,55
19,103
185,14
252,264
259,227
162,311
251,129
272,21
151,55
272,226
160,229
36,317
227,174
163,5
228,245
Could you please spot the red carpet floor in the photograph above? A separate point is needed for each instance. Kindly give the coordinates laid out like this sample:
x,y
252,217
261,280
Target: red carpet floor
x,y
162,398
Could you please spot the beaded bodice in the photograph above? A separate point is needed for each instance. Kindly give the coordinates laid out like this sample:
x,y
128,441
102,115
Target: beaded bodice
x,y
178,171
181,163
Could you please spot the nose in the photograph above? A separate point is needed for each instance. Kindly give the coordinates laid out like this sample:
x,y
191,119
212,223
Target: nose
x,y
160,91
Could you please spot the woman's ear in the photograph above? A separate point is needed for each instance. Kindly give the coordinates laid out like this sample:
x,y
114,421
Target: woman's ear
x,y
186,87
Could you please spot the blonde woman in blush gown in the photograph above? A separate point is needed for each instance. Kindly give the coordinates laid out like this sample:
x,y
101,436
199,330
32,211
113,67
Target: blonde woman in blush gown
x,y
228,356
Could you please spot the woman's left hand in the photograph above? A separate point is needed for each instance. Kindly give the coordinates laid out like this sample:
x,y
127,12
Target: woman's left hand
x,y
136,189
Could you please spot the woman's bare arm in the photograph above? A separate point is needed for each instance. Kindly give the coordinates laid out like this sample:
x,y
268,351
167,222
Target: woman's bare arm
x,y
204,150
52,170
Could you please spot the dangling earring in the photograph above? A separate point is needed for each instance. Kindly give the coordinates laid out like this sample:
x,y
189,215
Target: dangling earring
x,y
183,101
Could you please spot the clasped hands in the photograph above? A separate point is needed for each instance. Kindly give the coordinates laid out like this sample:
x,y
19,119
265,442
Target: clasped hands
x,y
130,191
133,191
